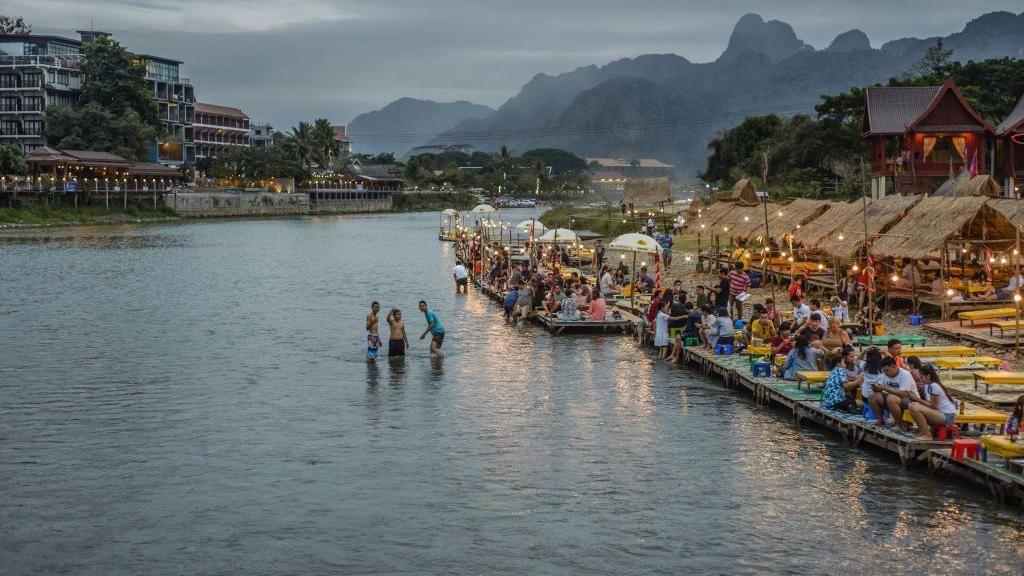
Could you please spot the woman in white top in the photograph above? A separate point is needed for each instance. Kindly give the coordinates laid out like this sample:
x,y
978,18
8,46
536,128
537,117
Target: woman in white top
x,y
661,340
872,369
937,409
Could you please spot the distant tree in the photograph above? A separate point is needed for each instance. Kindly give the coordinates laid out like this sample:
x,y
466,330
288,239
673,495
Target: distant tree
x,y
560,161
12,161
92,127
301,144
737,146
326,149
116,81
931,69
14,26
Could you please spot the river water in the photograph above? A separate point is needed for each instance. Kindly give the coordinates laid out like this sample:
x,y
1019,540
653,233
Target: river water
x,y
193,398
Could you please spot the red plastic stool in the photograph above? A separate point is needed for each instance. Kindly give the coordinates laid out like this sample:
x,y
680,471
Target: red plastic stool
x,y
942,433
969,448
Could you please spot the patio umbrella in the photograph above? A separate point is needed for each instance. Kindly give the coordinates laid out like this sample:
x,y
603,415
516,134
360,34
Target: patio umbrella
x,y
635,243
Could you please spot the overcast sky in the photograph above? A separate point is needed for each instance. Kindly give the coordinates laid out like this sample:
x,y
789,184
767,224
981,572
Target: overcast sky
x,y
287,60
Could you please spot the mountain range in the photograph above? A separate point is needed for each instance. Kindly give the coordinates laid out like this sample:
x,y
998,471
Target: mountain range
x,y
664,106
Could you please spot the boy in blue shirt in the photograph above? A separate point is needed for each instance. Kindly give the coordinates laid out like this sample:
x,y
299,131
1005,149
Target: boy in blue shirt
x,y
434,328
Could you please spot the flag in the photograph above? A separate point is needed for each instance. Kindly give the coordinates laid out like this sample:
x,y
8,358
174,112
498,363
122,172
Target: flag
x,y
974,165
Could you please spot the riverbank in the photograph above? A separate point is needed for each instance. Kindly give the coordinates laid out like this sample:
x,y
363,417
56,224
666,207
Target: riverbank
x,y
432,201
42,215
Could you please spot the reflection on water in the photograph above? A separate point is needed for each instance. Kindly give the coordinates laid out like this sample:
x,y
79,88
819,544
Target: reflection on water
x,y
195,398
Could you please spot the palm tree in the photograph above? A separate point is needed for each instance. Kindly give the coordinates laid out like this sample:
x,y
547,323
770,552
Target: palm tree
x,y
302,142
327,149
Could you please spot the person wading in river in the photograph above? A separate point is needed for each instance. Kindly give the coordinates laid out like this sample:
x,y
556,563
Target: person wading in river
x,y
372,333
434,328
398,341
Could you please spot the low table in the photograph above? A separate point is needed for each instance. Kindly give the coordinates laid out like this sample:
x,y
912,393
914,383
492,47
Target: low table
x,y
1001,378
905,339
811,377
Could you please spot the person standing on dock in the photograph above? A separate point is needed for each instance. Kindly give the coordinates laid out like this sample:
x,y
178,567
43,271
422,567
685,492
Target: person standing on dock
x,y
434,328
372,332
461,277
398,341
739,283
722,290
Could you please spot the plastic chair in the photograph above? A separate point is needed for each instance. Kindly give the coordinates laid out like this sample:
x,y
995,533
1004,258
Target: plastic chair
x,y
966,447
672,332
723,350
916,319
762,370
868,414
941,433
688,342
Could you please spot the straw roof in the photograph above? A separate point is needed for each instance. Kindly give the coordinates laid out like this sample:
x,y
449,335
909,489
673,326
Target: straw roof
x,y
1008,207
820,230
709,216
934,221
793,216
647,191
744,192
980,185
743,222
949,187
881,215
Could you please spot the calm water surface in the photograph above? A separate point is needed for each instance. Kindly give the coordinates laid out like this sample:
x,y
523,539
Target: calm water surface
x,y
193,399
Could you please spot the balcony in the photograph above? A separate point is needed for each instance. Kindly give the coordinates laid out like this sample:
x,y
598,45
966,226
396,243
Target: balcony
x,y
65,61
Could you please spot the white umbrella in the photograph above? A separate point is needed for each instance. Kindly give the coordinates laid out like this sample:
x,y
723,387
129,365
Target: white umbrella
x,y
482,209
559,236
635,243
528,224
450,212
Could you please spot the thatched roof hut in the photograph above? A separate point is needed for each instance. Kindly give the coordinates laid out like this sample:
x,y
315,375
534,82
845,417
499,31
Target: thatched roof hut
x,y
1009,207
696,204
820,230
933,222
744,192
709,216
647,192
980,185
742,222
881,215
783,220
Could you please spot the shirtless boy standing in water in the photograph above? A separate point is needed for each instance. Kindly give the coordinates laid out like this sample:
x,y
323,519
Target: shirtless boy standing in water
x,y
398,341
372,333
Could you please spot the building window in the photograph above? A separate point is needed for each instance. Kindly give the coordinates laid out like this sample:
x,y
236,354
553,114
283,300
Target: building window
x,y
33,127
63,78
163,71
31,80
8,127
33,103
8,81
8,104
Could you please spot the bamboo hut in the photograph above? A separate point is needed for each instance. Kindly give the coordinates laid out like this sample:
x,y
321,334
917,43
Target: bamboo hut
x,y
881,214
980,185
647,192
741,223
784,220
934,222
820,230
1007,207
709,216
744,193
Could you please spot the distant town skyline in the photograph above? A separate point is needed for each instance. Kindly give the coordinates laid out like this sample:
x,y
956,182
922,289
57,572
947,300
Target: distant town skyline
x,y
285,61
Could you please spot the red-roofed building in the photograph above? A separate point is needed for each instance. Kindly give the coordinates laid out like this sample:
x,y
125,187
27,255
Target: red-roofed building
x,y
1011,149
921,133
217,128
342,138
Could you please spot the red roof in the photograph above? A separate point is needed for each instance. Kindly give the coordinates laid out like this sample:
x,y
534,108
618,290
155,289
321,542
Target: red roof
x,y
219,110
894,110
1015,121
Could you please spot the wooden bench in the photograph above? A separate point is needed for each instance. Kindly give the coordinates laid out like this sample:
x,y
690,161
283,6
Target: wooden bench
x,y
998,378
992,314
1004,326
951,363
975,415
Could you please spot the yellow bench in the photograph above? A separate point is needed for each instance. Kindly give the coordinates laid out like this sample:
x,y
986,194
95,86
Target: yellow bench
x,y
811,377
936,351
973,415
991,314
759,350
951,363
998,378
1001,446
1004,326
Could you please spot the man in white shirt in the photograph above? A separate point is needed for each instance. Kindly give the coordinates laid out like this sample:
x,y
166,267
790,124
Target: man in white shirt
x,y
607,283
895,392
461,278
801,313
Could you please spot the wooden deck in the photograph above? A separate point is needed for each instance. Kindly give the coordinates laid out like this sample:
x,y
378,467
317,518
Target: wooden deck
x,y
980,334
555,326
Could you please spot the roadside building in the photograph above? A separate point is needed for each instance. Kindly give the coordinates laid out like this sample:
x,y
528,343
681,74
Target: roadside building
x,y
36,71
342,138
175,96
218,128
261,134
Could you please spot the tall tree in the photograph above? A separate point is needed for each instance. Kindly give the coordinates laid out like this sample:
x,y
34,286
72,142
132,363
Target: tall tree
x,y
92,127
12,161
326,148
116,81
14,26
301,143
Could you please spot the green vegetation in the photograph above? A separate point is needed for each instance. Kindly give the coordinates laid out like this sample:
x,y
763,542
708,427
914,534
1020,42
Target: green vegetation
x,y
824,155
412,202
39,214
606,221
12,161
118,112
14,26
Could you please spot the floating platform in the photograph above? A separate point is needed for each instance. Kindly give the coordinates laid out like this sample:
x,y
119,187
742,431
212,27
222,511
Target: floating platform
x,y
555,326
805,405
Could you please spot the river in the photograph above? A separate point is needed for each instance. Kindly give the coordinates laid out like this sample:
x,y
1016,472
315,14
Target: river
x,y
193,398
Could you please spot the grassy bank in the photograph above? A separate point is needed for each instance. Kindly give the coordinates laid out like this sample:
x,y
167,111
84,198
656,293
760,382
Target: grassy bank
x,y
607,220
431,201
41,215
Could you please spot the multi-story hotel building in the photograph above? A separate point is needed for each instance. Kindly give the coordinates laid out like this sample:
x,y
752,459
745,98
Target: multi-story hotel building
x,y
261,135
176,98
217,128
35,72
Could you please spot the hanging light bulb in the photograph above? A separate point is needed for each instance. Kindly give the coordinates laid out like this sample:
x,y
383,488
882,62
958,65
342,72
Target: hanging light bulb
x,y
1016,297
783,253
821,266
687,257
780,212
895,277
949,292
790,258
746,218
855,267
841,237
